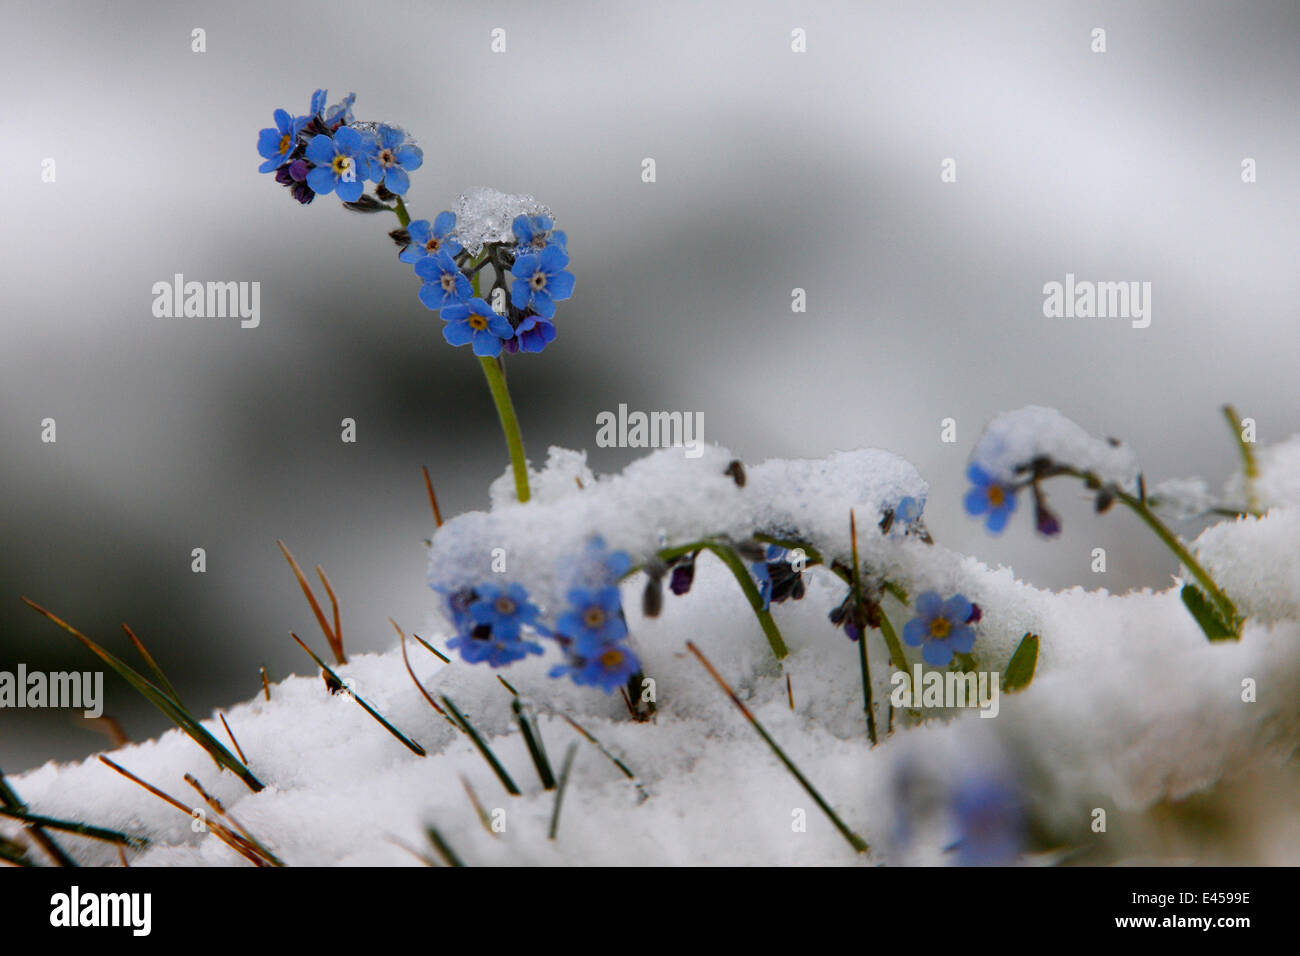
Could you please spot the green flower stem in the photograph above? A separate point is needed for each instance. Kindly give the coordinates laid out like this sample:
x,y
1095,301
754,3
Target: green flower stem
x,y
403,216
727,555
741,573
1138,505
1249,468
1231,616
496,379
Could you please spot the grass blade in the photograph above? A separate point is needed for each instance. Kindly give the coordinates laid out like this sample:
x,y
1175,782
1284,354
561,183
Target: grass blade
x,y
334,641
483,748
569,754
536,749
859,845
160,699
160,678
406,741
439,844
80,829
1020,669
10,800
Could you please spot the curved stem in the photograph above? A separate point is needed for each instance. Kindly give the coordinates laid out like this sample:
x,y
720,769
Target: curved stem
x,y
741,573
1227,609
496,379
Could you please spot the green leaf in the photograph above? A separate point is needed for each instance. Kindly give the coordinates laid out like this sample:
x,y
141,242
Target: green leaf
x,y
1020,669
1211,623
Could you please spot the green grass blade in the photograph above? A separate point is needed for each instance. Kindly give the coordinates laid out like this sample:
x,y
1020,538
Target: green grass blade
x,y
536,749
483,748
569,754
161,700
406,741
80,829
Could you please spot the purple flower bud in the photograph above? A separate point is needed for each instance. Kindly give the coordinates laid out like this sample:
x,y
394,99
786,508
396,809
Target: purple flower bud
x,y
683,576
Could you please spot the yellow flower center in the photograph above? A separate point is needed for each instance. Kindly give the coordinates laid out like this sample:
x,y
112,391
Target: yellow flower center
x,y
940,627
996,496
477,322
285,140
593,617
611,658
504,605
433,245
340,165
387,158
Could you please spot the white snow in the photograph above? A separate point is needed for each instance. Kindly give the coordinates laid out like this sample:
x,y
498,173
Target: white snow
x,y
1014,439
1130,704
485,215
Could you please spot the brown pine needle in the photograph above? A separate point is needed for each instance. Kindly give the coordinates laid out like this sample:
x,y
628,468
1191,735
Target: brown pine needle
x,y
433,498
109,727
231,734
507,685
338,626
219,808
855,841
219,830
334,641
407,661
789,691
483,817
266,685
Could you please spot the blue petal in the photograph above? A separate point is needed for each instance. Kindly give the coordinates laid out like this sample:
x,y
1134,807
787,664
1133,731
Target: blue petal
x,y
962,639
560,285
486,345
397,181
430,293
976,501
350,191
457,333
525,266
410,157
957,609
553,259
929,604
998,520
419,231
914,632
444,224
320,150
428,268
321,181
937,654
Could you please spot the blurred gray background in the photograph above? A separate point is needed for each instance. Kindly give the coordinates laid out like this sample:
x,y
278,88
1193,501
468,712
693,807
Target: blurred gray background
x,y
775,170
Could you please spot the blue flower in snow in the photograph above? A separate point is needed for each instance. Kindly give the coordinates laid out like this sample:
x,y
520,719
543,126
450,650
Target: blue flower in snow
x,y
597,566
444,283
275,143
594,619
607,666
941,627
535,233
474,321
505,610
489,625
391,156
540,281
990,496
429,240
340,162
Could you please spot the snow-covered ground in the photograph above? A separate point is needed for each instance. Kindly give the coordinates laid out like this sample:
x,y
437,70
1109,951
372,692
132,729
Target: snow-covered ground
x,y
1130,706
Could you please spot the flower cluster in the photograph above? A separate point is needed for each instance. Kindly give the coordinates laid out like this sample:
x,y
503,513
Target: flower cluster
x,y
494,623
327,151
530,277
